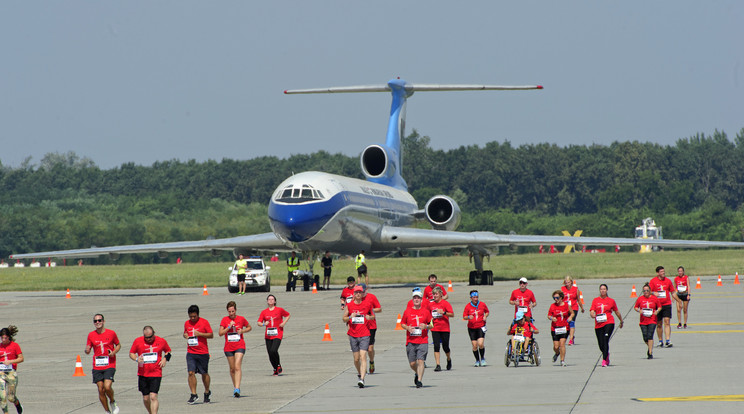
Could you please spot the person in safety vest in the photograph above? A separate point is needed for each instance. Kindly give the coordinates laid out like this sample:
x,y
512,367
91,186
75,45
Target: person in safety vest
x,y
361,268
293,263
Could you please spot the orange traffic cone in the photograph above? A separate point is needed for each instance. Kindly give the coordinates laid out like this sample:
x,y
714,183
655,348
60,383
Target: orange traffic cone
x,y
397,324
78,368
736,279
67,296
698,286
633,293
327,334
581,297
315,288
449,288
205,293
719,281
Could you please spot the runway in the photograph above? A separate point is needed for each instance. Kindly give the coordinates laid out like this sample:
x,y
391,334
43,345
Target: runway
x,y
702,372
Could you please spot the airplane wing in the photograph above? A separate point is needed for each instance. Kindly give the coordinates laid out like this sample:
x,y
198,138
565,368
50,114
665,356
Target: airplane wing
x,y
265,241
397,238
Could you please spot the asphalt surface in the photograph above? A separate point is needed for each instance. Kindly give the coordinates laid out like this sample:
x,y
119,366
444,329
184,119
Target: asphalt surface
x,y
701,371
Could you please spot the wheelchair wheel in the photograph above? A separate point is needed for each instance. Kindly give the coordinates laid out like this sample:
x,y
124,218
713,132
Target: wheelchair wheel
x,y
507,353
536,353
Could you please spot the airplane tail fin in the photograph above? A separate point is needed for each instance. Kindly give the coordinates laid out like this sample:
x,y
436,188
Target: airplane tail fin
x,y
382,164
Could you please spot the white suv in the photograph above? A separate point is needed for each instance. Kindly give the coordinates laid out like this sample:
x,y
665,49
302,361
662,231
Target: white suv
x,y
256,276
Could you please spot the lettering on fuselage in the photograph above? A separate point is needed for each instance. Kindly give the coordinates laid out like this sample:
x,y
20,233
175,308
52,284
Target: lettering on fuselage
x,y
376,192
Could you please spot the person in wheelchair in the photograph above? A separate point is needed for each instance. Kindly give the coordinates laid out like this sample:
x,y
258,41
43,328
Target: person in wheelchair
x,y
521,327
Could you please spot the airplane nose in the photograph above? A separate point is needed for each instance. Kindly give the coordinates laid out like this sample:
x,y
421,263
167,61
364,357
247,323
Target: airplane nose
x,y
293,223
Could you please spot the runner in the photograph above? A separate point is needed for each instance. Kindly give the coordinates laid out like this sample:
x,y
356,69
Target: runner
x,y
347,294
523,299
664,290
10,356
273,318
232,327
441,311
559,315
428,297
572,297
415,321
357,314
682,282
476,313
372,325
105,345
197,330
151,353
604,323
648,306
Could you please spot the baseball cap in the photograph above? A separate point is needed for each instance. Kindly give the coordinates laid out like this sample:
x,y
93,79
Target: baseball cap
x,y
350,279
519,315
358,288
523,280
364,286
417,293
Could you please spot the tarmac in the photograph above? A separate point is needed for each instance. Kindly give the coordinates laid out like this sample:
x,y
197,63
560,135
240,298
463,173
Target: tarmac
x,y
703,371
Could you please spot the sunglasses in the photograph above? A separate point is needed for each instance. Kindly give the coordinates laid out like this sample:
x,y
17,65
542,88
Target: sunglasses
x,y
97,320
556,297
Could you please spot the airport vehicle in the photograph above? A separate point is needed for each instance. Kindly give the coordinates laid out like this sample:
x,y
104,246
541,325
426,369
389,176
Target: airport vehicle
x,y
648,230
256,276
315,211
515,356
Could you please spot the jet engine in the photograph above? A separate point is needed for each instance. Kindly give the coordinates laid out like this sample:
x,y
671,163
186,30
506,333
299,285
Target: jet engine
x,y
377,162
443,213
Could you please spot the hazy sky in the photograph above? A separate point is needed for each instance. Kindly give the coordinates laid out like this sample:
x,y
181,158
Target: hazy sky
x,y
145,81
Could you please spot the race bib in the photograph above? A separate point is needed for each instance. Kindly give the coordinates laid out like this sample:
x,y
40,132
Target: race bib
x,y
192,341
602,317
272,331
358,320
647,312
435,314
681,288
415,331
518,338
523,309
661,294
348,300
150,357
6,368
102,361
233,337
560,330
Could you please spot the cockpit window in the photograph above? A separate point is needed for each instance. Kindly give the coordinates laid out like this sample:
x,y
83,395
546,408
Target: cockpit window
x,y
296,193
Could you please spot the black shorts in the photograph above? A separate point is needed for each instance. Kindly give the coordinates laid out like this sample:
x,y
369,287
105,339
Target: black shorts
x,y
237,351
149,385
558,337
648,332
684,297
362,269
476,333
372,333
103,374
666,312
241,278
198,363
327,272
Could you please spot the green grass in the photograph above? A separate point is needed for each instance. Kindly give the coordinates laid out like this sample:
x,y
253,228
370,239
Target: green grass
x,y
391,270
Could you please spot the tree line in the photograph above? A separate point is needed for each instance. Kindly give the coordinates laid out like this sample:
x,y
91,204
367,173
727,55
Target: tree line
x,y
694,189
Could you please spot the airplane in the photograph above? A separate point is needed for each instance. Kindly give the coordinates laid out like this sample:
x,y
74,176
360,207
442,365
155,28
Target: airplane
x,y
315,211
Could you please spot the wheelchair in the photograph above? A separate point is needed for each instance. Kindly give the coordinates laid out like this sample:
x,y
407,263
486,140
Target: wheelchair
x,y
515,356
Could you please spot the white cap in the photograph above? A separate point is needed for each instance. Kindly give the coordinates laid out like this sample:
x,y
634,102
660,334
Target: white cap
x,y
417,293
523,280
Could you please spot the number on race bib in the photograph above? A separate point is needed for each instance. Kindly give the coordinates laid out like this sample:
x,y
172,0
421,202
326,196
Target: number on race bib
x,y
560,330
150,357
601,317
192,341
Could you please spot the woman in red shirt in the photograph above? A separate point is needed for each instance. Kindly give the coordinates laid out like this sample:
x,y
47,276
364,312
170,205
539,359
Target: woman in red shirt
x,y
559,315
604,323
232,327
273,318
648,306
572,296
682,284
8,365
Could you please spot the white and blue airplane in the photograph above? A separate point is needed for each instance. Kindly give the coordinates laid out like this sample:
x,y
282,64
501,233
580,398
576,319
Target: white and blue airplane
x,y
314,211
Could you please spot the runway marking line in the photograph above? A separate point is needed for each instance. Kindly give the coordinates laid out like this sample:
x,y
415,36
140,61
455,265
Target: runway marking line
x,y
735,397
710,332
715,323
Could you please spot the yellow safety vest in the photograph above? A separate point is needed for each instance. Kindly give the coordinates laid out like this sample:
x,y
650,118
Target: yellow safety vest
x,y
293,263
359,260
242,266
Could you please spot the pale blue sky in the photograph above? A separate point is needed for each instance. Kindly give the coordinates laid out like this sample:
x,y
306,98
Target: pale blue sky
x,y
146,81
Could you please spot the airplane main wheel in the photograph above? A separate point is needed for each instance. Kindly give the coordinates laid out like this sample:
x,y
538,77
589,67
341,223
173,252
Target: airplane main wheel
x,y
487,277
473,278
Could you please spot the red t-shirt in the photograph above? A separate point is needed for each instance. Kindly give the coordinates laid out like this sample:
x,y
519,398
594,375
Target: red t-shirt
x,y
571,296
662,289
647,304
358,324
347,294
272,319
234,340
561,313
477,311
101,344
523,301
525,329
372,299
441,320
428,295
415,317
8,352
197,344
152,355
682,284
603,307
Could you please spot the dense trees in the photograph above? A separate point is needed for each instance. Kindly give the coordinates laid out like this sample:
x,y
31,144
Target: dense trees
x,y
694,189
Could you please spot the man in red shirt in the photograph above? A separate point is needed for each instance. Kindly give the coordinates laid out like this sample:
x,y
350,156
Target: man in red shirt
x,y
648,306
197,330
357,314
372,325
476,313
428,296
105,345
347,294
415,321
151,352
664,290
523,299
